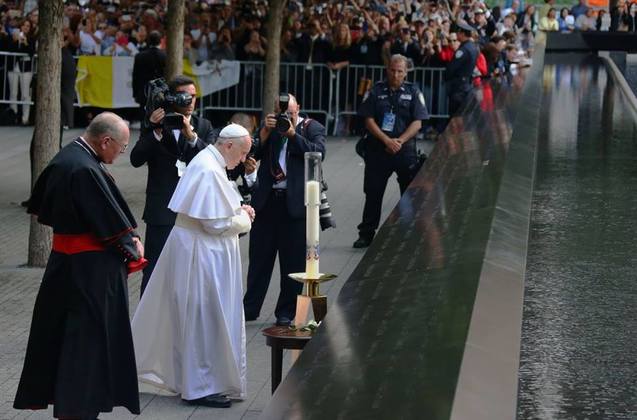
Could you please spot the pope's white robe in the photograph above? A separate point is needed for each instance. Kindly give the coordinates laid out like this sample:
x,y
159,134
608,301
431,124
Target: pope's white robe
x,y
188,330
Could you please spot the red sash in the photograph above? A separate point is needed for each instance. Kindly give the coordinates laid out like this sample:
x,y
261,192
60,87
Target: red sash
x,y
74,244
86,242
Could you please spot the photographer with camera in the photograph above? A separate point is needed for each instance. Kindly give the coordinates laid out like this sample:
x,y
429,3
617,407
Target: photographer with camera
x,y
278,200
175,136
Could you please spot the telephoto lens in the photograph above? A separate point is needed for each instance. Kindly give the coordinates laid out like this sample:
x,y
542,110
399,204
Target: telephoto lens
x,y
282,123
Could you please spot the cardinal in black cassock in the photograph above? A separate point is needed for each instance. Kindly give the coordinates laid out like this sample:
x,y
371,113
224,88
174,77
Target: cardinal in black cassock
x,y
80,354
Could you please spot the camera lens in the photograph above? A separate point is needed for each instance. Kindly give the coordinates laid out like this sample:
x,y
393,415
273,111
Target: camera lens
x,y
282,123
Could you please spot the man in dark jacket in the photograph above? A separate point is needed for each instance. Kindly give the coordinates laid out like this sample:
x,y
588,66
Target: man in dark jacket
x,y
167,151
278,200
149,64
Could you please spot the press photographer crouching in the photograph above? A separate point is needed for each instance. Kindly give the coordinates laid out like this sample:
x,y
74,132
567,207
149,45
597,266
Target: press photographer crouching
x,y
278,200
171,136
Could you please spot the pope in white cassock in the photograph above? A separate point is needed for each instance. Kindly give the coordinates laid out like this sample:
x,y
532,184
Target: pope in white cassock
x,y
188,330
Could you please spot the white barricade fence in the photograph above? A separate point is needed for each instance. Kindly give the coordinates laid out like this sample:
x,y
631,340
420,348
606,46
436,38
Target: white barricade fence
x,y
333,94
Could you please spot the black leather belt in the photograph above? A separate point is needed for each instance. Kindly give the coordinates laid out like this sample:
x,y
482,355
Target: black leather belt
x,y
279,192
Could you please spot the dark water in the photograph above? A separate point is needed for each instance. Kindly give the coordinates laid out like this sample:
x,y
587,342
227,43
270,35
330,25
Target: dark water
x,y
579,334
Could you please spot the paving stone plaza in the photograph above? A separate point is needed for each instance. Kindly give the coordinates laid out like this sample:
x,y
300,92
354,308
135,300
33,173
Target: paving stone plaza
x,y
19,285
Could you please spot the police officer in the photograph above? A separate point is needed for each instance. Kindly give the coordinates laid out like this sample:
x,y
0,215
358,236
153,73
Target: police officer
x,y
460,70
393,111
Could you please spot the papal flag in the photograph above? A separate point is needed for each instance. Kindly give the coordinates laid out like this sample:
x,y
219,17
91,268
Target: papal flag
x,y
211,76
106,82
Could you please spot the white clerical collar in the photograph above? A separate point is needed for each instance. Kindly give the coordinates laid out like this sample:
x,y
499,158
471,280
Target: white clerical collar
x,y
86,145
217,154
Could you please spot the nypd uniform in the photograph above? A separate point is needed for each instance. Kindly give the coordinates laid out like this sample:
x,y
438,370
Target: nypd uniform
x,y
393,112
459,74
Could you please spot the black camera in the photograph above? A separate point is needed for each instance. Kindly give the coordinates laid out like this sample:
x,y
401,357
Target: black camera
x,y
283,122
160,96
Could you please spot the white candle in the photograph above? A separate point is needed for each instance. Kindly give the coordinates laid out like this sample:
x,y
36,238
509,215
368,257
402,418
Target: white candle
x,y
312,225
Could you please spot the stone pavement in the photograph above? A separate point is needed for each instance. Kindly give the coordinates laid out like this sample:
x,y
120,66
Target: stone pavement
x,y
18,285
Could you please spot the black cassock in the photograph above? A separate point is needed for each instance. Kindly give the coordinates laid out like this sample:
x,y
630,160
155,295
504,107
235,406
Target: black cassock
x,y
80,352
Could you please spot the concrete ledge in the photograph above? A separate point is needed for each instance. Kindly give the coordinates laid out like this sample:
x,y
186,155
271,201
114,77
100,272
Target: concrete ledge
x,y
488,380
620,80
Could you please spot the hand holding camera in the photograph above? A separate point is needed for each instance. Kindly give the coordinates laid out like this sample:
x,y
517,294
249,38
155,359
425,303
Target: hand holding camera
x,y
284,124
187,129
161,99
156,118
250,165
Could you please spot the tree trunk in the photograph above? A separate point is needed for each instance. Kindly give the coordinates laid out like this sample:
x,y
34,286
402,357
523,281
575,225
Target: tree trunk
x,y
273,55
175,38
47,114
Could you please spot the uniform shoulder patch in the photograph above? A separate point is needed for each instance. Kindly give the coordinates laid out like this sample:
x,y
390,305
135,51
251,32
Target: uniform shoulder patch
x,y
421,98
459,53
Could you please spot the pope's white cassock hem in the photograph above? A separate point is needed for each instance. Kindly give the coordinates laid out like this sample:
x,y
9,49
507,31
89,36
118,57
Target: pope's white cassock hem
x,y
188,330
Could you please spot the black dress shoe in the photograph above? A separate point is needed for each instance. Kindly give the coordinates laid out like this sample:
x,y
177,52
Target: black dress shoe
x,y
283,321
214,400
362,242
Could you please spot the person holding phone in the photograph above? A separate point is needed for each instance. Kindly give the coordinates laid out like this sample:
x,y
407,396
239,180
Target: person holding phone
x,y
21,70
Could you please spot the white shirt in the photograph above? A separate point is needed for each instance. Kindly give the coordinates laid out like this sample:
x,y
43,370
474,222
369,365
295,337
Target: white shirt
x,y
282,158
88,46
176,134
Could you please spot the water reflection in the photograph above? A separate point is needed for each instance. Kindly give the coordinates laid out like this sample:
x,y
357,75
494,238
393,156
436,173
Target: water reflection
x,y
579,348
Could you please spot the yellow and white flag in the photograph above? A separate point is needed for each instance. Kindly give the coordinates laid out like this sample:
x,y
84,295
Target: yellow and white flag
x,y
107,82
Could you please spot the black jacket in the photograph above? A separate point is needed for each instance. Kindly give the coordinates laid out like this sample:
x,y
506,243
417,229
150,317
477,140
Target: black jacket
x,y
307,139
161,156
460,70
319,49
149,64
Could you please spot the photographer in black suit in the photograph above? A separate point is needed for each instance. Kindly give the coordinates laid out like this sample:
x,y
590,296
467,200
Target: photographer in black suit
x,y
166,150
278,200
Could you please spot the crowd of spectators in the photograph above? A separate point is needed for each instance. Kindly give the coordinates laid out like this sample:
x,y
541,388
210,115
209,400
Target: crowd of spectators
x,y
580,17
321,31
333,32
336,33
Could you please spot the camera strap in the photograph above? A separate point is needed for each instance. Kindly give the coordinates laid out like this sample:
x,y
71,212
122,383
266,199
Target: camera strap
x,y
275,151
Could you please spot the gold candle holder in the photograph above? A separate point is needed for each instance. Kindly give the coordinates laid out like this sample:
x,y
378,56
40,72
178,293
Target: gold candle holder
x,y
311,302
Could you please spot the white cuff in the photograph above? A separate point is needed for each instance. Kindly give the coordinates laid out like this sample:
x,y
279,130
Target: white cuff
x,y
230,226
251,178
193,142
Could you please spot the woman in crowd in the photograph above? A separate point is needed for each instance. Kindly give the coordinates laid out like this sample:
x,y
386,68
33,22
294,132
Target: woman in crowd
x,y
549,22
561,21
21,71
255,48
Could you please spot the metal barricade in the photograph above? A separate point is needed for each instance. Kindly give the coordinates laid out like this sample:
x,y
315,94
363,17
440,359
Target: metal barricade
x,y
352,82
319,90
7,65
311,84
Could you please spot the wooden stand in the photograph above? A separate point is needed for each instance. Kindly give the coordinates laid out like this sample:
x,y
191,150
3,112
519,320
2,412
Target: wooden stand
x,y
279,338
